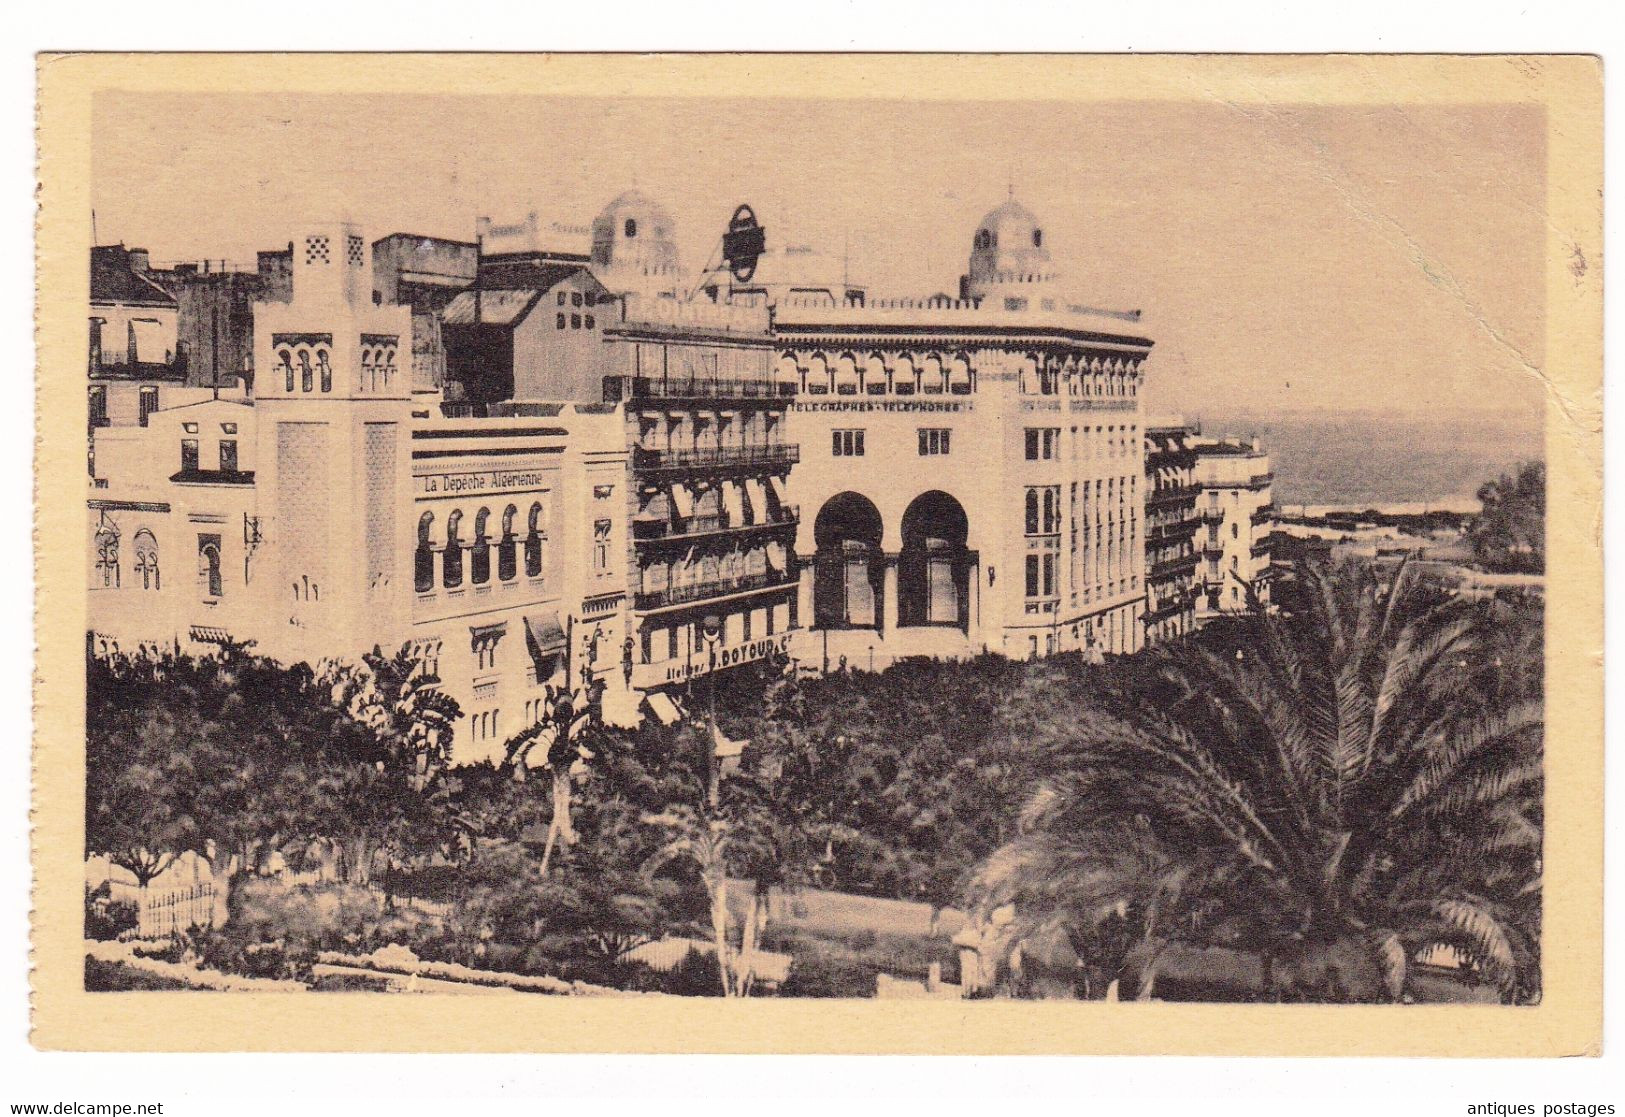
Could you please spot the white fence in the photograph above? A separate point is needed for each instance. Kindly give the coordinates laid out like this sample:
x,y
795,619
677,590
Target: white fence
x,y
167,912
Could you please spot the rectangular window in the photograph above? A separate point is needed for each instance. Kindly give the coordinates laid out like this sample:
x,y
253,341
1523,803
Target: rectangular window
x,y
933,441
847,444
189,454
746,617
600,546
149,403
1043,509
575,299
671,643
1032,575
228,455
575,321
98,403
1042,442
1048,566
562,296
560,320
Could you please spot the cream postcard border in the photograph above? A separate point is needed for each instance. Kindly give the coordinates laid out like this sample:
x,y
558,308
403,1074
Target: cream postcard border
x,y
1568,1021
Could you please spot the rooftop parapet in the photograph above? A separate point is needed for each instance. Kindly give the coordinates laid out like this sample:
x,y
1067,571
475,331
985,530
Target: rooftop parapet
x,y
941,310
676,314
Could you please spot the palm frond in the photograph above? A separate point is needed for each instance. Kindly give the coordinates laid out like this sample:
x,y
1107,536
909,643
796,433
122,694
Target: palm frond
x,y
1446,757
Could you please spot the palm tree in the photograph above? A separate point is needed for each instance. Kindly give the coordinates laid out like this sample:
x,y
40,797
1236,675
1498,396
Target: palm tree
x,y
1354,784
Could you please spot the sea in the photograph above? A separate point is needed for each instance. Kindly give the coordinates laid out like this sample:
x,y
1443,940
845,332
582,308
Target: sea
x,y
1377,460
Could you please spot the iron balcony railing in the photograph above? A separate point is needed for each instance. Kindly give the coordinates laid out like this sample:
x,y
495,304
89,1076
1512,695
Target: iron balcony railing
x,y
657,531
1267,512
718,587
717,457
1177,494
621,388
1175,565
1179,529
1210,515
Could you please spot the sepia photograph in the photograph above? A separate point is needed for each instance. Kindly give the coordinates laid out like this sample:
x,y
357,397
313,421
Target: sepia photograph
x,y
744,545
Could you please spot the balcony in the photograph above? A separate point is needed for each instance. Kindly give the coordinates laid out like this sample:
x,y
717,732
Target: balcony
x,y
1177,494
1170,608
1261,481
696,528
757,458
1212,550
1264,514
138,370
694,592
1175,566
618,389
1179,529
1210,515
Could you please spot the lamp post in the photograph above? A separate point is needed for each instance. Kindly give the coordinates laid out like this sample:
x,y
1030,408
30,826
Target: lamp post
x,y
713,635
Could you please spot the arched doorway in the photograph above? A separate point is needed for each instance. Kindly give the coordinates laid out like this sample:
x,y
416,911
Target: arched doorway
x,y
850,568
933,571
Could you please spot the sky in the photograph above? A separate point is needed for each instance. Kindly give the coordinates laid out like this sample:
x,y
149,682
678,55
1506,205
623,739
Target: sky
x,y
1286,259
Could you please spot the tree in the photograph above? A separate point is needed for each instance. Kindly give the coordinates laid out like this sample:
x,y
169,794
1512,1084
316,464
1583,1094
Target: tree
x,y
239,759
1509,533
1362,786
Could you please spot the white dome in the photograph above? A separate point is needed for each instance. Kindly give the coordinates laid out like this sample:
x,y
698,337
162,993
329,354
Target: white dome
x,y
633,241
1009,247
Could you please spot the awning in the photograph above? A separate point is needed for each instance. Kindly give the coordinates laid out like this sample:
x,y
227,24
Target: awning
x,y
622,708
683,499
758,500
734,498
779,489
545,638
663,708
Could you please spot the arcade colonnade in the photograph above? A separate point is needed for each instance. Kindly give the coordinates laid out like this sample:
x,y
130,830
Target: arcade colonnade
x,y
928,582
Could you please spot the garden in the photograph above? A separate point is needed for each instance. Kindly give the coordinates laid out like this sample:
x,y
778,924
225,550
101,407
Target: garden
x,y
1322,802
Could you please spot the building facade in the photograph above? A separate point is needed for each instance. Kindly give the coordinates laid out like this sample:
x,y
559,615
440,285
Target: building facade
x,y
710,566
971,471
1172,523
534,468
334,514
1236,509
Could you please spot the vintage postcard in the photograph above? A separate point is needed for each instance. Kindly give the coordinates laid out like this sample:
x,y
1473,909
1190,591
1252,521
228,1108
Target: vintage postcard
x,y
819,554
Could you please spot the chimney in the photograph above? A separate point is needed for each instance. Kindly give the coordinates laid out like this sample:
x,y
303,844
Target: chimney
x,y
138,260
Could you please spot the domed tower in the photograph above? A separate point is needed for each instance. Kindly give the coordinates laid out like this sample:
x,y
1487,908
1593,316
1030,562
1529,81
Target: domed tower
x,y
1010,261
633,247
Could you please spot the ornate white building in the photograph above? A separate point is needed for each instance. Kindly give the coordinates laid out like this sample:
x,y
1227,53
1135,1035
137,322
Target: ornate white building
x,y
971,469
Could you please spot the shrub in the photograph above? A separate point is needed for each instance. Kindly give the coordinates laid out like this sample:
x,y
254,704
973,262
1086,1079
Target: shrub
x,y
107,918
264,909
697,975
821,974
111,977
351,983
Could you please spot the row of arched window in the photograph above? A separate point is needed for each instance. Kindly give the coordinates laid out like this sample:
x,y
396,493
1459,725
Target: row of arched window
x,y
846,375
849,374
506,542
298,369
304,370
377,368
108,570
